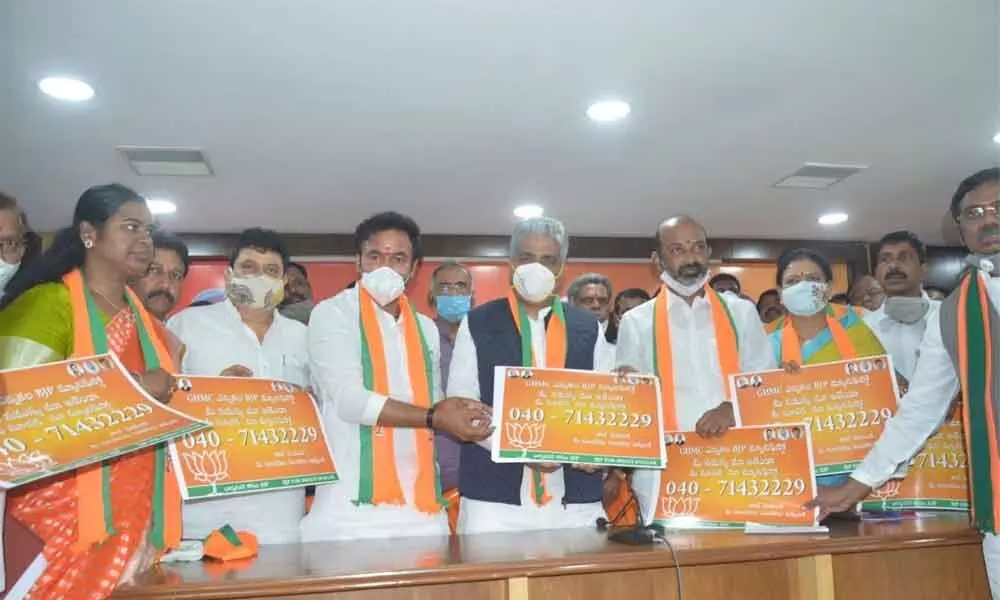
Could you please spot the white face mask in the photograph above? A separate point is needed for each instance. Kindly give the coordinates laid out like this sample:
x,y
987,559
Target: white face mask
x,y
805,298
534,282
256,291
906,309
685,290
988,263
384,284
7,271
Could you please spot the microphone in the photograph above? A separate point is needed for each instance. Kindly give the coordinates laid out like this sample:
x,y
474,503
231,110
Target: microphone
x,y
639,535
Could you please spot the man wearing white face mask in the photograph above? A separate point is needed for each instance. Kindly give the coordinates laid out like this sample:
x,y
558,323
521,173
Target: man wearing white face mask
x,y
693,338
375,362
19,245
245,336
902,319
530,327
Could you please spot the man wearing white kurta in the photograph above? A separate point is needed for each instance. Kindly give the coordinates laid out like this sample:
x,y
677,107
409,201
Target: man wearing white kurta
x,y
902,319
388,252
244,336
935,378
701,395
499,497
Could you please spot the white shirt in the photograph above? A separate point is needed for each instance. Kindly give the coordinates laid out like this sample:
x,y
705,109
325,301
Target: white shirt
x,y
477,516
215,338
698,382
335,363
605,361
923,409
900,340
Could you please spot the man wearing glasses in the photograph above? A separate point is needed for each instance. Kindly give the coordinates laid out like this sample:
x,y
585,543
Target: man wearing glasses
x,y
958,353
18,243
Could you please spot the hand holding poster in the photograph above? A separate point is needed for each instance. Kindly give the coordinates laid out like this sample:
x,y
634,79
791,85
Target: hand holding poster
x,y
760,475
580,417
937,478
265,435
61,416
846,405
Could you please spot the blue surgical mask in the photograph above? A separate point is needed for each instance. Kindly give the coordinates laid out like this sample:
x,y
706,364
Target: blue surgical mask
x,y
452,308
805,298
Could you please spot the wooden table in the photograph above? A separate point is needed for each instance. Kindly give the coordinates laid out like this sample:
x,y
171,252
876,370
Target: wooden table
x,y
927,558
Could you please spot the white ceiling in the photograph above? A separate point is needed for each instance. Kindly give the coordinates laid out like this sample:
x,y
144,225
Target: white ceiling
x,y
316,113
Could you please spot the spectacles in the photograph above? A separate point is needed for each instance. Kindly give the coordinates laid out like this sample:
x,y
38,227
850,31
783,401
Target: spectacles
x,y
978,213
445,287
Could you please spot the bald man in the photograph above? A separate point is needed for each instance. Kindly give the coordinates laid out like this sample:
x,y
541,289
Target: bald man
x,y
708,337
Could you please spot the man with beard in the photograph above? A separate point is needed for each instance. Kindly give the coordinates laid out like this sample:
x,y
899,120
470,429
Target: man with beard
x,y
957,353
160,288
901,320
298,302
693,338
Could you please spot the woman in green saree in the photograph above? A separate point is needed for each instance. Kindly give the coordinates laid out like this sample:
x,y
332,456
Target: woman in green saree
x,y
78,287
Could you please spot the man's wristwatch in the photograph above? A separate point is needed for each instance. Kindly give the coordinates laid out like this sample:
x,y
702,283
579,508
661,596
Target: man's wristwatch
x,y
430,417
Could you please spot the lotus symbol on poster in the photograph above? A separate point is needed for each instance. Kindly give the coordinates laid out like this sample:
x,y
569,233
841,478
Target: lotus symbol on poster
x,y
209,467
672,507
887,491
26,464
525,436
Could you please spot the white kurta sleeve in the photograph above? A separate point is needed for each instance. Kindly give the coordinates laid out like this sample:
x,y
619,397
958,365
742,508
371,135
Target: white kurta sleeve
x,y
335,365
463,375
630,345
921,411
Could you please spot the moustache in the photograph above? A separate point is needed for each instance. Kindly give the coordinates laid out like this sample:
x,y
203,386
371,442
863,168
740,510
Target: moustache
x,y
163,294
691,270
989,231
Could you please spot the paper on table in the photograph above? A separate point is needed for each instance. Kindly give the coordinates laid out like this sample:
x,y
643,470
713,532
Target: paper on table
x,y
758,528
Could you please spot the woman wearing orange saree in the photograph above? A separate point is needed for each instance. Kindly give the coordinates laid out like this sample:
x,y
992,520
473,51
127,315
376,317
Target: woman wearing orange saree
x,y
103,523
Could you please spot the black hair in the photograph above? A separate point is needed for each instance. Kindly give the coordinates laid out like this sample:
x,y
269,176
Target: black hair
x,y
771,292
840,298
611,332
168,241
388,221
970,184
903,237
95,206
262,240
725,277
793,254
300,267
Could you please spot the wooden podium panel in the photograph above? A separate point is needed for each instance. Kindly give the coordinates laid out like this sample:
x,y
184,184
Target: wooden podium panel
x,y
926,558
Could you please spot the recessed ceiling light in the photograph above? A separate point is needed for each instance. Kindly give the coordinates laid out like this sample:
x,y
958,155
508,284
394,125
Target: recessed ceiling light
x,y
834,218
528,211
66,88
996,138
161,206
607,111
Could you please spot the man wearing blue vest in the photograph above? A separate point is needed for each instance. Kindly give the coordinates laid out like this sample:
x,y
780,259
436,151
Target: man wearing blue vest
x,y
512,497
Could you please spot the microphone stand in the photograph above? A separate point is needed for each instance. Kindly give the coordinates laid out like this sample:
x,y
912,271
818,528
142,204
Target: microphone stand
x,y
639,535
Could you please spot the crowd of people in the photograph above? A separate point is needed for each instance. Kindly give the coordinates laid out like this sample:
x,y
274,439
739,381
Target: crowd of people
x,y
406,398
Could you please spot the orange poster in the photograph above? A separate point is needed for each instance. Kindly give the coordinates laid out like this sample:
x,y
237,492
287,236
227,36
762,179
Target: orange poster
x,y
265,435
61,416
937,478
846,405
756,475
580,417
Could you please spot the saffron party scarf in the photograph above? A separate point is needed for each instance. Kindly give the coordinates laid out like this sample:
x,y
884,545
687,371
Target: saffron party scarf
x,y
379,479
555,358
93,482
791,349
975,370
726,342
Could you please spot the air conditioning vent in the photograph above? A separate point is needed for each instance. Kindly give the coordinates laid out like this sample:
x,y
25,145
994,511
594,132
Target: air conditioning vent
x,y
171,162
819,176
